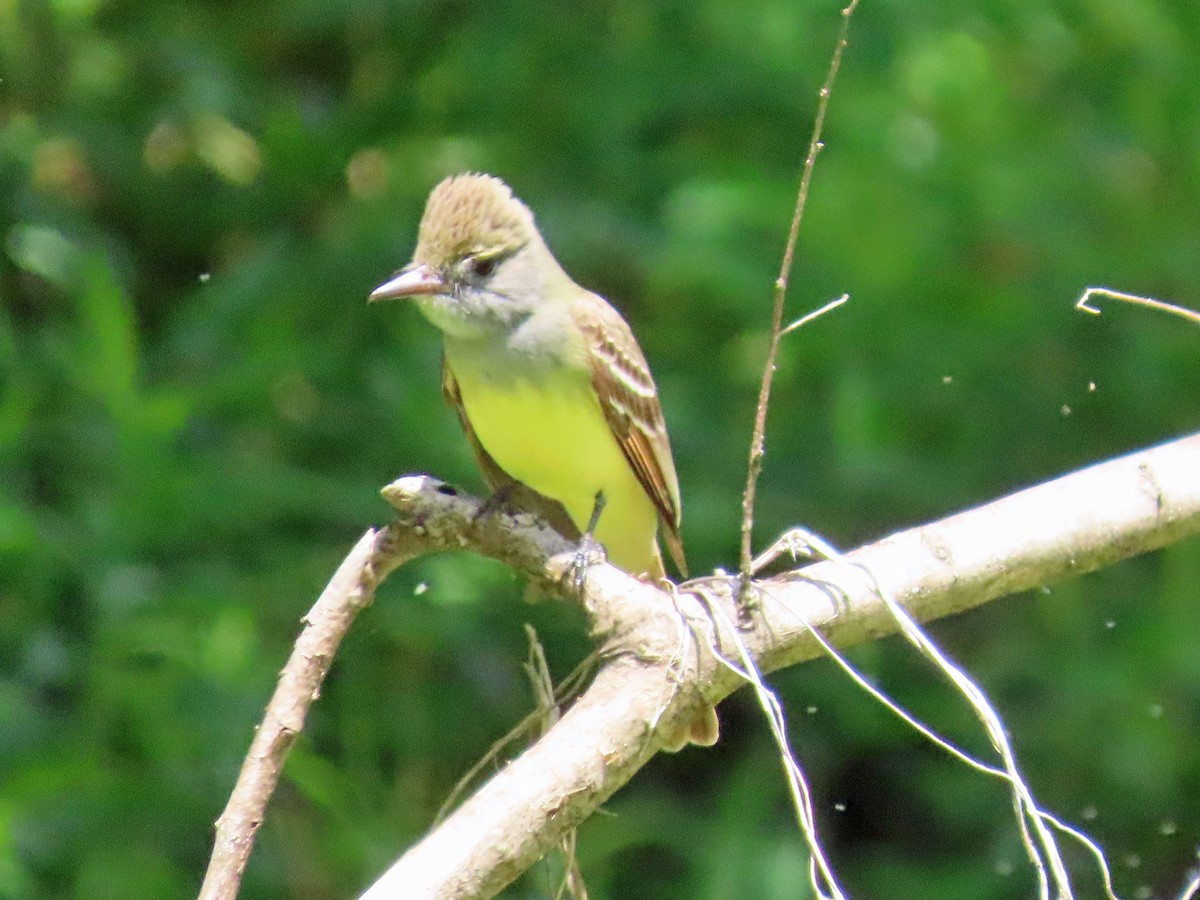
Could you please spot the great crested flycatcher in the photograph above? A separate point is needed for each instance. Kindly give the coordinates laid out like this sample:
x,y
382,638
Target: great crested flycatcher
x,y
548,382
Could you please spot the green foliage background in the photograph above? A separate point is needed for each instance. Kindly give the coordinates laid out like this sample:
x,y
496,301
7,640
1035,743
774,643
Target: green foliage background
x,y
197,409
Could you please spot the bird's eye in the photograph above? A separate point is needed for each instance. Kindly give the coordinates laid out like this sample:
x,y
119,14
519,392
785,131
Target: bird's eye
x,y
482,266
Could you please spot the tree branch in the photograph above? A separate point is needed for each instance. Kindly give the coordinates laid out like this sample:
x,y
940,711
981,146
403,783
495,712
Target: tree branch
x,y
658,667
1060,529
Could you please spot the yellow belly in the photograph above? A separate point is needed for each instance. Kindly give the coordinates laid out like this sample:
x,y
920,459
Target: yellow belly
x,y
558,442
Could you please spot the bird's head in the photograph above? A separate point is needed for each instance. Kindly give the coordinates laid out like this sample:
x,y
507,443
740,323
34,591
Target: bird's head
x,y
480,267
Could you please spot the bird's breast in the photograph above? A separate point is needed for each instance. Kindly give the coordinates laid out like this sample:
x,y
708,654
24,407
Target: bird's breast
x,y
545,428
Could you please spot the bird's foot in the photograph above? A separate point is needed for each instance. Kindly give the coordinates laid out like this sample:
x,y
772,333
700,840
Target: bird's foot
x,y
589,552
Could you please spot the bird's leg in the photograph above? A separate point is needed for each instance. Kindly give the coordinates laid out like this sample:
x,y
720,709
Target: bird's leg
x,y
589,551
597,508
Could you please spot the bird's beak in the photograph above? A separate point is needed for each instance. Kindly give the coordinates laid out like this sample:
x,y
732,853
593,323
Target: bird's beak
x,y
411,281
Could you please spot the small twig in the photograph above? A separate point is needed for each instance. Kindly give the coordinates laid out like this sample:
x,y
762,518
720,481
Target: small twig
x,y
758,439
816,313
1148,302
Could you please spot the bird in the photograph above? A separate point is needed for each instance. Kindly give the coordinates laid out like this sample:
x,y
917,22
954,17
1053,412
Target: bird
x,y
548,382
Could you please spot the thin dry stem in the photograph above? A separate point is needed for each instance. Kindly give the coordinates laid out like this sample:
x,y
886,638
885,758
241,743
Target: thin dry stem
x,y
1084,305
567,690
804,543
816,313
821,875
758,439
1043,853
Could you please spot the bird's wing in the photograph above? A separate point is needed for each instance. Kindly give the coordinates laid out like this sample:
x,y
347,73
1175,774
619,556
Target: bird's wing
x,y
622,382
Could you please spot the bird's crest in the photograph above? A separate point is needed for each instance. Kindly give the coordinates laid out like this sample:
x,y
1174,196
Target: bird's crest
x,y
469,214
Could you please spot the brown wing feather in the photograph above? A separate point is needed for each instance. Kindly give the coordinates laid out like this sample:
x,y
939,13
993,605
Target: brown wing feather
x,y
515,492
621,378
